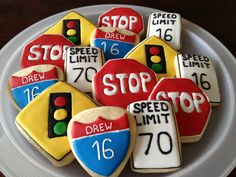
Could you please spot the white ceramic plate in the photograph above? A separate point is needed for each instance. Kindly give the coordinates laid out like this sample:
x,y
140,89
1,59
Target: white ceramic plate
x,y
214,155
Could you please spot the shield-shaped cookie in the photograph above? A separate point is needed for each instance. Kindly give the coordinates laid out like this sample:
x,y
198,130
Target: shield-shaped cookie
x,y
102,139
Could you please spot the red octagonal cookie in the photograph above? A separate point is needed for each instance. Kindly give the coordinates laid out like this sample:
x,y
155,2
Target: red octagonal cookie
x,y
122,81
190,104
46,49
122,17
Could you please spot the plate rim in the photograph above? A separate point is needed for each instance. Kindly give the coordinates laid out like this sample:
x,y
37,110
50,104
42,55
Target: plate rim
x,y
82,10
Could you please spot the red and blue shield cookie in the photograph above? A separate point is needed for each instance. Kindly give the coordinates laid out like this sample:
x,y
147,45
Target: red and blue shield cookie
x,y
114,42
27,83
102,139
190,103
122,17
46,49
122,81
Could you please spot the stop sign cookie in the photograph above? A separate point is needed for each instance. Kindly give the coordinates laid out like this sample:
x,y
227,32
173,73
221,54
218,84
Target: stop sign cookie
x,y
122,17
120,82
46,49
190,104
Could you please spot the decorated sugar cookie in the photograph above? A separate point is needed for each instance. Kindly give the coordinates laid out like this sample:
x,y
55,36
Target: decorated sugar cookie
x,y
44,121
46,49
166,26
199,69
190,104
121,82
82,63
114,42
122,17
27,83
155,54
75,28
102,139
157,146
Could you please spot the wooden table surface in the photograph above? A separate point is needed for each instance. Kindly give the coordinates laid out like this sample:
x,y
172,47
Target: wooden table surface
x,y
217,17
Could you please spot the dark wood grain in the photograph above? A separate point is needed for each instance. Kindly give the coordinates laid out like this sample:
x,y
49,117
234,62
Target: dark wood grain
x,y
217,17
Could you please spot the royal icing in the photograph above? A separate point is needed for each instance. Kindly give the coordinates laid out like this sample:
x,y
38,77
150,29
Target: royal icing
x,y
157,146
155,54
45,119
27,83
121,82
114,42
166,26
46,49
199,69
82,63
190,104
106,134
75,28
122,17
95,137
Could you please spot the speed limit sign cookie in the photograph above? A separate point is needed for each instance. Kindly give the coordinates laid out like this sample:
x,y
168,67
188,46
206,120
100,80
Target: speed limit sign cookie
x,y
190,104
82,63
102,139
157,146
199,69
166,26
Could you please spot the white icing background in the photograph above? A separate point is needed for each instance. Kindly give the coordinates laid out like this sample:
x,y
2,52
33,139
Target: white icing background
x,y
204,158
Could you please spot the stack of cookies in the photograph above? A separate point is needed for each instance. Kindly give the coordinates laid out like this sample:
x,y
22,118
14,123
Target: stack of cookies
x,y
105,94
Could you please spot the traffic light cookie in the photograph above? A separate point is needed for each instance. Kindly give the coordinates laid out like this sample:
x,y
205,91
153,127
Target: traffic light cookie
x,y
44,121
75,28
102,139
157,147
81,64
190,104
114,42
166,26
122,17
27,83
157,55
199,69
